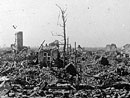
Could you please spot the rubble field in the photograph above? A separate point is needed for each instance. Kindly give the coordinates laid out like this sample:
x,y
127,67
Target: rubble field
x,y
21,77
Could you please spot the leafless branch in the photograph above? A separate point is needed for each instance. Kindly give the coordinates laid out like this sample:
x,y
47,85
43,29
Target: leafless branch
x,y
56,34
65,10
58,21
58,18
60,35
60,25
59,8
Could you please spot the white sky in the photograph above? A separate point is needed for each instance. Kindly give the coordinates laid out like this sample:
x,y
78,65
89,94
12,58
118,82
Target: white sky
x,y
91,23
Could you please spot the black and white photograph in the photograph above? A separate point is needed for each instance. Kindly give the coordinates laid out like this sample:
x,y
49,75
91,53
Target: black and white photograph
x,y
64,48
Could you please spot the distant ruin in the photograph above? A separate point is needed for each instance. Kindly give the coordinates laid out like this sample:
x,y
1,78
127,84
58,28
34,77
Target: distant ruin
x,y
19,40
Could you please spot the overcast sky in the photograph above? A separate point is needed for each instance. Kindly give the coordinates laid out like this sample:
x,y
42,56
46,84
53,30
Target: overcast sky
x,y
91,23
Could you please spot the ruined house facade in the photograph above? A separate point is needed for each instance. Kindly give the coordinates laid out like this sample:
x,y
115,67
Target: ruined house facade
x,y
47,53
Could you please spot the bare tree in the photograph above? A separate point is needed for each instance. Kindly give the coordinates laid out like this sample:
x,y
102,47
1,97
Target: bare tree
x,y
63,25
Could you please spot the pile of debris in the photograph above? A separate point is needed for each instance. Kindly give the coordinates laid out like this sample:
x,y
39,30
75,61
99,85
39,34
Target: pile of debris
x,y
104,77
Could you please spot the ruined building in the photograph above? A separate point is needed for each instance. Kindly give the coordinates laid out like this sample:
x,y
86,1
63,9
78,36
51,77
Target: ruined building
x,y
126,49
49,52
19,40
111,47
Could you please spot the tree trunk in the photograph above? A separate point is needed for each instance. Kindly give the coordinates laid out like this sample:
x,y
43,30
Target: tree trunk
x,y
64,49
